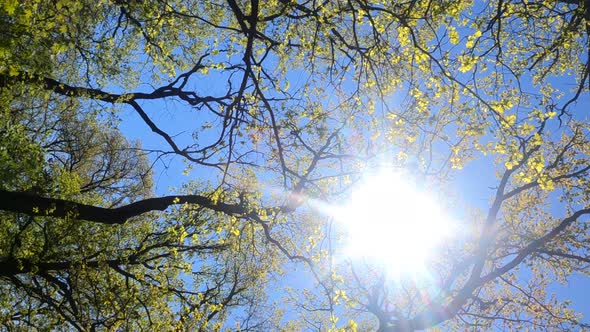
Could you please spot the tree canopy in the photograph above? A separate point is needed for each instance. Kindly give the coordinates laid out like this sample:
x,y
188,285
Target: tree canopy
x,y
276,110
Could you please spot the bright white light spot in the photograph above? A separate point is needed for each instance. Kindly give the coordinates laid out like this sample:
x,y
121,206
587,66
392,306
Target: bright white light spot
x,y
391,222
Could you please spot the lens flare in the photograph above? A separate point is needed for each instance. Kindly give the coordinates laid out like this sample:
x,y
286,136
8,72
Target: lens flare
x,y
389,221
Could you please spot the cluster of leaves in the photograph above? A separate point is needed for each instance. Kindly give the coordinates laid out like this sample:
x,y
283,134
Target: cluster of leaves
x,y
288,102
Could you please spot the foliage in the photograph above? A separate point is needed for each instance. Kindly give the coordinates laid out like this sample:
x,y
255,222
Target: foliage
x,y
278,107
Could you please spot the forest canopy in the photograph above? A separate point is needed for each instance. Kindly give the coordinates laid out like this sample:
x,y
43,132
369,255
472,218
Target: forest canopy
x,y
293,165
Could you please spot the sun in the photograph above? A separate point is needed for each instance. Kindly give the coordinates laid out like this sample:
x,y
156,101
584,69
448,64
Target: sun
x,y
389,221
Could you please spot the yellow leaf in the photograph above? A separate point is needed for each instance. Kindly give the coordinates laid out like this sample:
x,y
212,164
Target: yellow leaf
x,y
453,35
10,6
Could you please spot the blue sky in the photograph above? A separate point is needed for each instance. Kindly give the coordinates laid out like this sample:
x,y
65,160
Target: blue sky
x,y
473,184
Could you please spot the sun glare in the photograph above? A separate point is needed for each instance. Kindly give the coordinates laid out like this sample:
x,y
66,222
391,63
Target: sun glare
x,y
389,221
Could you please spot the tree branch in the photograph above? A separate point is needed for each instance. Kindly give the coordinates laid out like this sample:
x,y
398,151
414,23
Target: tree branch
x,y
35,205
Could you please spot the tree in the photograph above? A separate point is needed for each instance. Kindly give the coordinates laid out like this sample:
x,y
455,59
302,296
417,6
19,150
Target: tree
x,y
279,107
